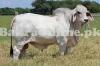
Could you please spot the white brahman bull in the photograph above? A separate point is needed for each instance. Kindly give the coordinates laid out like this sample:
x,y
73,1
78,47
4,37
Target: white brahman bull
x,y
41,31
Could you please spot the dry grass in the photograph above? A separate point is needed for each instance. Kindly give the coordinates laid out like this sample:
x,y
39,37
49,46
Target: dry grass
x,y
86,53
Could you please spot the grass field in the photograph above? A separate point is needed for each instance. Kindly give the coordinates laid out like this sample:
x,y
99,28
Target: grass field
x,y
86,53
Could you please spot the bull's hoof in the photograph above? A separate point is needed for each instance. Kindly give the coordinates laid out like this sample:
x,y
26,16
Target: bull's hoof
x,y
70,50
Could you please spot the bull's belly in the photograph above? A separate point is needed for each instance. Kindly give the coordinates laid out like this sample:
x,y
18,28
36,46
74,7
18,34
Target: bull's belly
x,y
42,43
45,40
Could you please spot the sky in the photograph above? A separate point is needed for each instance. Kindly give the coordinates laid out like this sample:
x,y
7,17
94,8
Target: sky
x,y
21,3
16,3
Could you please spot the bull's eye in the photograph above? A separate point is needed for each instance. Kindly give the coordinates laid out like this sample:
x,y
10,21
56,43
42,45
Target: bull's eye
x,y
78,12
88,14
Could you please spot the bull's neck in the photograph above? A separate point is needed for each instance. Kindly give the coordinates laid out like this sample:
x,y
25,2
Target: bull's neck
x,y
77,25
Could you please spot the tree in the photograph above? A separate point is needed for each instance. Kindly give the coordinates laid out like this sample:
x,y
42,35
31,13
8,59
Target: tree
x,y
47,6
41,6
6,11
13,11
21,10
93,6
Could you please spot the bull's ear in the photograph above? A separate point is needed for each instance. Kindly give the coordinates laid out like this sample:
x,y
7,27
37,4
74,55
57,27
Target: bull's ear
x,y
90,16
74,16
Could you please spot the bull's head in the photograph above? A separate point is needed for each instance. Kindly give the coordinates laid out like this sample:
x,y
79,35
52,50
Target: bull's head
x,y
82,14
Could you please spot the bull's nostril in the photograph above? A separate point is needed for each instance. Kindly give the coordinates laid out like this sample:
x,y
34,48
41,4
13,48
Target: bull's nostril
x,y
86,20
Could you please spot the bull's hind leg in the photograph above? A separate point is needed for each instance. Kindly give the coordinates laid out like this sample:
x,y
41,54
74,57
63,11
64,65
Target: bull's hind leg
x,y
23,50
17,50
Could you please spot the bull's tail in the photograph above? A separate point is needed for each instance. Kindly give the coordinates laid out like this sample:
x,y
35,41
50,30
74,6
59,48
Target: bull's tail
x,y
11,48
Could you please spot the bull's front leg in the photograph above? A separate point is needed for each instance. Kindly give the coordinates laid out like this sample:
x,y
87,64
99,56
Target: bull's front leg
x,y
62,41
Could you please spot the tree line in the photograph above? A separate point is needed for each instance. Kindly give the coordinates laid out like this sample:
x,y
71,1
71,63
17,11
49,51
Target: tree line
x,y
13,11
47,6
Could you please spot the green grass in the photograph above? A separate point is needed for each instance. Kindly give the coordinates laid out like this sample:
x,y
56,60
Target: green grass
x,y
96,23
86,53
5,22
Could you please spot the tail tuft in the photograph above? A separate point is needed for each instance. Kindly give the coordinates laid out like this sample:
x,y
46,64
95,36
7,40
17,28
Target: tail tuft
x,y
11,49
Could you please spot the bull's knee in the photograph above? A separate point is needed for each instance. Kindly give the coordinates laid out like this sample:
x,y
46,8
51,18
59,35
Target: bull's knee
x,y
16,53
